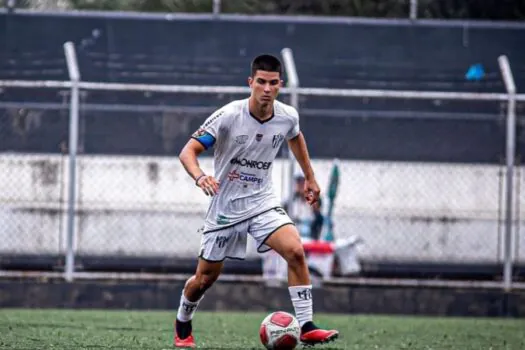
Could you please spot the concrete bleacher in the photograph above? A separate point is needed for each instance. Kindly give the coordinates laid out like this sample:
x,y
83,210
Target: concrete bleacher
x,y
357,54
201,50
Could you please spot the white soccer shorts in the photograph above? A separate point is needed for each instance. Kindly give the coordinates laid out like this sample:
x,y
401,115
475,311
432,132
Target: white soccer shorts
x,y
231,242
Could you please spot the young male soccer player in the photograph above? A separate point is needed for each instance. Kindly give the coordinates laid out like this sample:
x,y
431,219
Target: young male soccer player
x,y
246,136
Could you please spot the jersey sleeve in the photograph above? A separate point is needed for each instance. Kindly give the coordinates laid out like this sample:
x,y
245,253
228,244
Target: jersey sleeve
x,y
208,132
294,128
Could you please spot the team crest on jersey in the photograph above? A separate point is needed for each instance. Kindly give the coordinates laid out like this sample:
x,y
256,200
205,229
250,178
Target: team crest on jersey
x,y
276,140
259,137
241,139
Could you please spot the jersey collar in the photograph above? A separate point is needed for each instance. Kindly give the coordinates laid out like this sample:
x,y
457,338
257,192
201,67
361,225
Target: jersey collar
x,y
262,121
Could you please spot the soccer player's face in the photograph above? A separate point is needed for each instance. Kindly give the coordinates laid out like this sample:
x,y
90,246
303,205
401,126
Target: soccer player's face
x,y
265,86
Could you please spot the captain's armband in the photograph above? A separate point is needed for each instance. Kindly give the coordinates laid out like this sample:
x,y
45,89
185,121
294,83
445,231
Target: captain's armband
x,y
204,137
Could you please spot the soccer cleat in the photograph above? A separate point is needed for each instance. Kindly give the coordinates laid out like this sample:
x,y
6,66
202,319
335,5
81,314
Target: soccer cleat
x,y
187,342
318,336
184,329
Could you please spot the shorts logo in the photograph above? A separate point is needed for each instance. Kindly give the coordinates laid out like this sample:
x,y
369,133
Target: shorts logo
x,y
221,241
241,139
259,137
276,140
222,220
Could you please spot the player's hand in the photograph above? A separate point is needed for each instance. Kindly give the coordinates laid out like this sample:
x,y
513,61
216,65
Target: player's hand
x,y
209,185
312,192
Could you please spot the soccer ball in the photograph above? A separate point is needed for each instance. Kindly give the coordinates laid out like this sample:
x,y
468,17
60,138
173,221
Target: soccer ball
x,y
280,331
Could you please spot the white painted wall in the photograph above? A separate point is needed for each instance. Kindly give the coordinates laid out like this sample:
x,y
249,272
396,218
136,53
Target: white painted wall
x,y
149,206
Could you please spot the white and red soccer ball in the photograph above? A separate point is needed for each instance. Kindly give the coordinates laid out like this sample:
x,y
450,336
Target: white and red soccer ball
x,y
280,331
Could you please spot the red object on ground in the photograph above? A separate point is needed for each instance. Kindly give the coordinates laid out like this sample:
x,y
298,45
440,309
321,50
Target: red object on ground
x,y
318,247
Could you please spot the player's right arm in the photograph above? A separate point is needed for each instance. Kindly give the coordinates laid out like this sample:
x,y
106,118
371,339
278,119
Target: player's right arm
x,y
204,138
189,159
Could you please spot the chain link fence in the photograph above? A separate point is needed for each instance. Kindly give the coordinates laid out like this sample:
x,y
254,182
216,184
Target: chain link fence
x,y
32,159
430,213
418,185
422,181
424,194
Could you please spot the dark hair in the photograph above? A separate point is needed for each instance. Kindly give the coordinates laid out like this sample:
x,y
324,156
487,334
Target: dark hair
x,y
267,63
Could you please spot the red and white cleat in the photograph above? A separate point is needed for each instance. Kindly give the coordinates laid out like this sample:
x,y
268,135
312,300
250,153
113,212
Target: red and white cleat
x,y
318,336
187,342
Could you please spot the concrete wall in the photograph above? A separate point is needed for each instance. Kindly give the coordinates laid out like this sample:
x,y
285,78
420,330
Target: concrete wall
x,y
238,296
144,206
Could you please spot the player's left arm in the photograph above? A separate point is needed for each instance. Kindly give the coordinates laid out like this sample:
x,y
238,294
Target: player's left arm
x,y
300,151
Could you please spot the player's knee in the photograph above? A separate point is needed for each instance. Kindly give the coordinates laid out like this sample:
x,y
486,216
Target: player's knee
x,y
295,255
189,282
206,280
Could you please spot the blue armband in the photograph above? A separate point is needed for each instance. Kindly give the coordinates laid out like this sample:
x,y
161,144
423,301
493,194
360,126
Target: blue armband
x,y
204,137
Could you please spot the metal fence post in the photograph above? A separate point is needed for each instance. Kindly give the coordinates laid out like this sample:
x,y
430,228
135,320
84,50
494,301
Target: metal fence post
x,y
510,155
74,76
413,9
216,7
293,85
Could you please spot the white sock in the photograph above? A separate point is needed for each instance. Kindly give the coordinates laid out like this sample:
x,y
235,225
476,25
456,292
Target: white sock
x,y
186,309
302,303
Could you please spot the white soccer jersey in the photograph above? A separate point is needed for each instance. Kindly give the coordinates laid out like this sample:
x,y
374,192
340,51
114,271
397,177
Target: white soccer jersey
x,y
244,151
